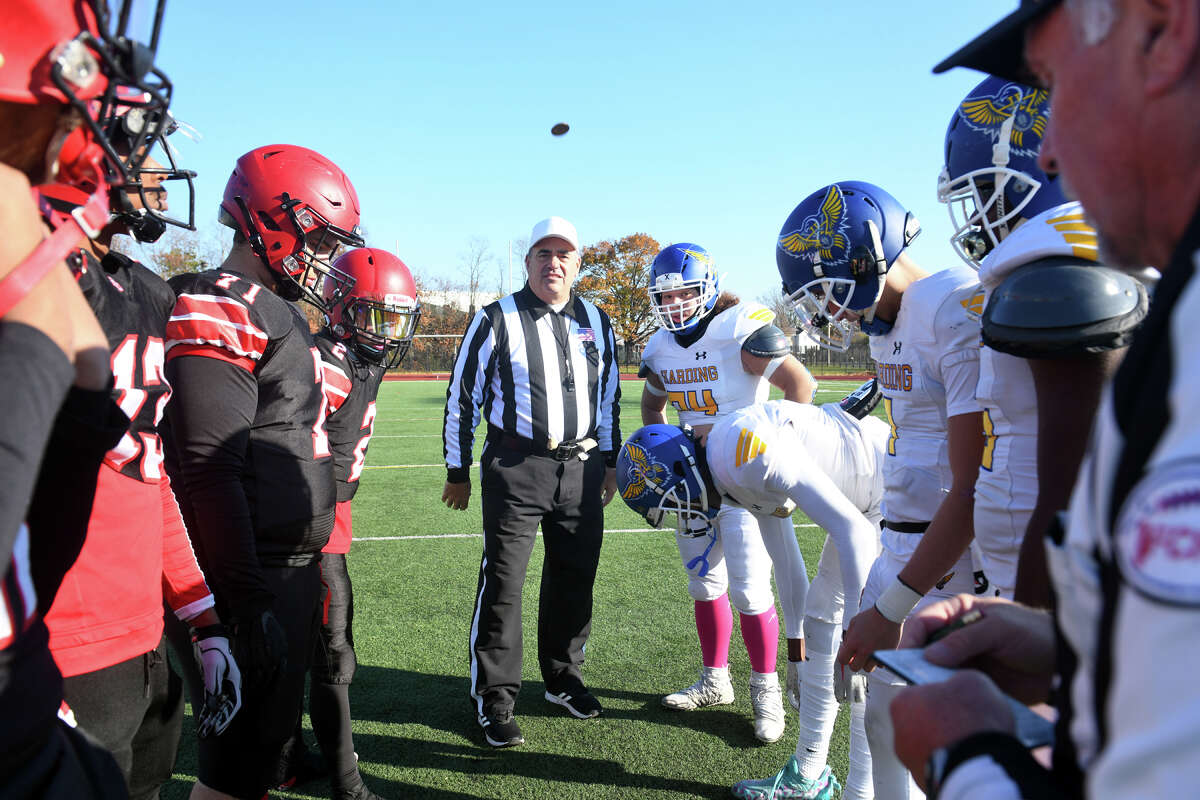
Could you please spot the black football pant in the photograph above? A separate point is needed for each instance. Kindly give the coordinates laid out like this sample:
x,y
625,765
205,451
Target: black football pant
x,y
518,492
134,709
242,761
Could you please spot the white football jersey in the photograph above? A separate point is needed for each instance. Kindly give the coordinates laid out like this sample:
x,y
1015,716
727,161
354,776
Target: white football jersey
x,y
775,456
706,381
1006,489
928,368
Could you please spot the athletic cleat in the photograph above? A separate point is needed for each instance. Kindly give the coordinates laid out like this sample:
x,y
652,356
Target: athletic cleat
x,y
500,728
789,785
300,766
766,698
580,703
713,689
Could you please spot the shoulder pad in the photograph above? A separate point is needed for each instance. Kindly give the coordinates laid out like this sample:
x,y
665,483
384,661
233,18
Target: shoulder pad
x,y
767,342
1063,306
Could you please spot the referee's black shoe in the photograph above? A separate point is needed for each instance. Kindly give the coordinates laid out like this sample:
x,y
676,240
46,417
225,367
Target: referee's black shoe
x,y
500,729
579,702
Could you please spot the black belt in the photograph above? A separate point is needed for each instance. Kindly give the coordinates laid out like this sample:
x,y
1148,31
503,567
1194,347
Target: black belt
x,y
906,527
564,451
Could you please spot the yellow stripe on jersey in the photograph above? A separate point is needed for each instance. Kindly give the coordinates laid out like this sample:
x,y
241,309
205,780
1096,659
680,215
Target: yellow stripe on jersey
x,y
1077,217
749,447
1079,234
763,314
974,304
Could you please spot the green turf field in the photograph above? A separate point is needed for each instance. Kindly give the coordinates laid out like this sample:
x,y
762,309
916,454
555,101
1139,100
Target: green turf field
x,y
414,574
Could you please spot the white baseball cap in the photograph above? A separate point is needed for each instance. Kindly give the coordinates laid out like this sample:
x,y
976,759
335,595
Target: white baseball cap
x,y
554,226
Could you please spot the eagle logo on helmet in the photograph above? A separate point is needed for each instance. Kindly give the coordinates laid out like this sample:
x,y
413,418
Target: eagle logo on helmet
x,y
1029,109
701,256
643,471
820,234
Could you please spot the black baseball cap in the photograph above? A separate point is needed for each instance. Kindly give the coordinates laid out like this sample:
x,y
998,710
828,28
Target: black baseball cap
x,y
1000,50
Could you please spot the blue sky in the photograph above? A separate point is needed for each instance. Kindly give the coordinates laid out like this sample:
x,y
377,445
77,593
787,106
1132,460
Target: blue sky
x,y
702,122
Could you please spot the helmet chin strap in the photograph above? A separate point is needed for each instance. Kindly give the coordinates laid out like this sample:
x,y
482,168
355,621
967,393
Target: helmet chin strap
x,y
84,220
868,322
1000,158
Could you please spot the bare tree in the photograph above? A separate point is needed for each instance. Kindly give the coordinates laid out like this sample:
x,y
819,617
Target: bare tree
x,y
474,261
775,300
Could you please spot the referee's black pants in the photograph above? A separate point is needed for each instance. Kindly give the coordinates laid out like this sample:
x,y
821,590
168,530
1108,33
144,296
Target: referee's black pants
x,y
519,491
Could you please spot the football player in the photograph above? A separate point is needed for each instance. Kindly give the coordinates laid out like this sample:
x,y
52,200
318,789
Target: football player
x,y
367,333
1036,258
63,63
770,459
841,256
106,629
250,457
711,356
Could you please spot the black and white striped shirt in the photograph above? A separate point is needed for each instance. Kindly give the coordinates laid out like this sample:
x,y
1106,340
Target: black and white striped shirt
x,y
536,374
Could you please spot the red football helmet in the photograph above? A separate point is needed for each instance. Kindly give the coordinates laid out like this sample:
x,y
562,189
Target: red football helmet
x,y
379,316
297,209
98,57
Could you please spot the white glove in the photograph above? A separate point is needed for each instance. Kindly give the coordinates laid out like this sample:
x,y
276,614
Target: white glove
x,y
793,683
849,686
222,680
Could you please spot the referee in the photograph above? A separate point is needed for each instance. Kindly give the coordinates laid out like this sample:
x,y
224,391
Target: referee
x,y
541,364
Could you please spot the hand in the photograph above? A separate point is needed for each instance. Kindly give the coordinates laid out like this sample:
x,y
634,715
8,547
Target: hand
x,y
849,686
456,495
869,631
940,714
1013,644
261,648
793,683
610,484
222,679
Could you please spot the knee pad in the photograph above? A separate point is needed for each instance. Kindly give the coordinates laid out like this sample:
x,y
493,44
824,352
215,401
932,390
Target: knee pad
x,y
335,665
751,599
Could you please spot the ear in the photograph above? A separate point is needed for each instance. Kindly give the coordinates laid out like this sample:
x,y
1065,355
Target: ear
x,y
1170,31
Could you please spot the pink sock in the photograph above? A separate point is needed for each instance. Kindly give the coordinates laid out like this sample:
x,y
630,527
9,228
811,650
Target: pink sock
x,y
714,624
760,632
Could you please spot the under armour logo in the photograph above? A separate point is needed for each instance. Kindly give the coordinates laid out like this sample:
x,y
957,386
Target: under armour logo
x,y
701,354
896,349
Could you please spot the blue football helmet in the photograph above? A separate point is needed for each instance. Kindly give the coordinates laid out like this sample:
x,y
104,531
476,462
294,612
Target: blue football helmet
x,y
683,266
657,472
833,253
991,179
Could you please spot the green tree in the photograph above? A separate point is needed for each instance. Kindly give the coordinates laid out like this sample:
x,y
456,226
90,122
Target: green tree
x,y
614,275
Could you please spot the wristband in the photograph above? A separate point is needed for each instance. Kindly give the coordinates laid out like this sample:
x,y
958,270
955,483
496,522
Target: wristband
x,y
897,601
208,631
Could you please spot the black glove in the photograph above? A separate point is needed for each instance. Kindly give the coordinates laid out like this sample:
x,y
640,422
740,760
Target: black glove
x,y
261,649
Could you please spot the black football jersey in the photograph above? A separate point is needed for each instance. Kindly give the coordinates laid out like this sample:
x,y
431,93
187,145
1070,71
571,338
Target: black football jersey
x,y
255,405
133,305
351,389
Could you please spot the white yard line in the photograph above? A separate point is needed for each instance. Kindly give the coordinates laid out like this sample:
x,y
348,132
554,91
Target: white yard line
x,y
480,535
